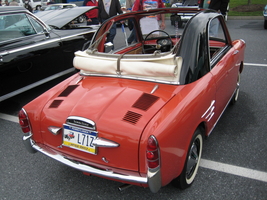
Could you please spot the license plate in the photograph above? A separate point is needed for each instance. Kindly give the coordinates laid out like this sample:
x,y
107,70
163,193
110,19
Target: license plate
x,y
79,138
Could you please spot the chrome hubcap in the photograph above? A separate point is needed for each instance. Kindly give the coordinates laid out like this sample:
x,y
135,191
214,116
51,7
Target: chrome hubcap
x,y
193,158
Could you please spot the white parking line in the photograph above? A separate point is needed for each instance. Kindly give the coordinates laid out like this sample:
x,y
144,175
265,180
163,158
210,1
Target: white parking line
x,y
235,170
217,166
254,64
9,117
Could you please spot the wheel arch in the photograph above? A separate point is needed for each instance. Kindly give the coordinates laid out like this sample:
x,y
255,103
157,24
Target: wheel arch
x,y
203,128
180,180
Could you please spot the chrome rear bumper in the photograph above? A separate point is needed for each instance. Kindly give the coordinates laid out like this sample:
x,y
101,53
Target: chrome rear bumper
x,y
153,180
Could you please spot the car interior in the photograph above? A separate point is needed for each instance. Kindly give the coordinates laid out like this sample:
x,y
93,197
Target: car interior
x,y
156,41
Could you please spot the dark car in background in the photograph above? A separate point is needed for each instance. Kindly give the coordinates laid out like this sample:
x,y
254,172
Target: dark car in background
x,y
34,50
179,19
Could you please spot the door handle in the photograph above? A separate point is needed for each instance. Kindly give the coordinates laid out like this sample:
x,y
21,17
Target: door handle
x,y
236,52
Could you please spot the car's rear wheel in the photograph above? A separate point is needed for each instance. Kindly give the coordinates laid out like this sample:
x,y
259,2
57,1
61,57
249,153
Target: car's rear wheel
x,y
191,166
265,24
235,96
38,7
81,19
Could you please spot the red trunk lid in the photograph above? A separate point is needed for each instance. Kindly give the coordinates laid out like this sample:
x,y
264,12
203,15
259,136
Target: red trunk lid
x,y
120,110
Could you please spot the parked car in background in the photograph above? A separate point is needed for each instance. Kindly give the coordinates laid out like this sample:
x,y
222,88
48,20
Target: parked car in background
x,y
34,50
265,16
138,112
45,3
59,6
181,18
35,4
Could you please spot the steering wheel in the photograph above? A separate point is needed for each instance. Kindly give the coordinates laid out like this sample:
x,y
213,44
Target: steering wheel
x,y
160,46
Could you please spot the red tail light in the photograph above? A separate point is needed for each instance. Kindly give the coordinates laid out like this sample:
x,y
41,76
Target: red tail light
x,y
152,152
24,121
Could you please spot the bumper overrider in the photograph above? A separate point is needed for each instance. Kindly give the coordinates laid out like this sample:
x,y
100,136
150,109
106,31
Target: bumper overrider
x,y
153,179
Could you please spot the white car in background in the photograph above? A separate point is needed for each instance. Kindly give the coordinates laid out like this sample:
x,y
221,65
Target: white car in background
x,y
59,6
35,4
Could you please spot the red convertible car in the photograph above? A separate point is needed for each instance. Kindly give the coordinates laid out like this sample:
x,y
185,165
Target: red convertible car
x,y
137,111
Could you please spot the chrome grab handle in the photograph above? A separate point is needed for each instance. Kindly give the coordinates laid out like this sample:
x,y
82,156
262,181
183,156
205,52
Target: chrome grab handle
x,y
236,52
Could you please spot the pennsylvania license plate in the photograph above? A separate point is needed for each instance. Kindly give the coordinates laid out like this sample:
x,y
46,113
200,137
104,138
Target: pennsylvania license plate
x,y
79,138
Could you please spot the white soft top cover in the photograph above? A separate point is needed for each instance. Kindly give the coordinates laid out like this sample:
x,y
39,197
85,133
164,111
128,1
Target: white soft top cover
x,y
162,68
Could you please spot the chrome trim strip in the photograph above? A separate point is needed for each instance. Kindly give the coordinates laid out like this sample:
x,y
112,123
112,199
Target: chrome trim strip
x,y
133,78
214,59
28,142
26,137
211,115
154,89
209,112
80,121
154,179
79,34
79,80
221,113
236,52
30,46
102,142
54,130
11,94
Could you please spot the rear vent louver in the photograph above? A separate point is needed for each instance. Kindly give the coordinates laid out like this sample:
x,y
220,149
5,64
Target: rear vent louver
x,y
55,103
132,117
68,90
145,101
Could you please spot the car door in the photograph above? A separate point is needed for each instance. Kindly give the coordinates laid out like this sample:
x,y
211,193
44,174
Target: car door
x,y
222,62
27,52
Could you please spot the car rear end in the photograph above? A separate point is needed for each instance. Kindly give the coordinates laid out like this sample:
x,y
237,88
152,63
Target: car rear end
x,y
82,127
